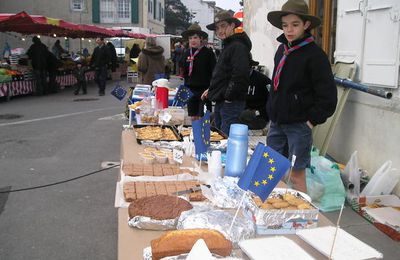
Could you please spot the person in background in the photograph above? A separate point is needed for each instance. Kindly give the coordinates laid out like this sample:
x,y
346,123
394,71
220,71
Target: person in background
x,y
255,114
79,73
57,50
38,54
100,59
198,63
52,67
6,51
303,93
113,65
85,52
177,56
151,61
127,54
135,51
231,76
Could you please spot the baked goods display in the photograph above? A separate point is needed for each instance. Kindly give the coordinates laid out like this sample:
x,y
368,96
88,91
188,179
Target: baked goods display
x,y
137,169
214,135
287,201
137,190
159,207
155,133
149,119
178,242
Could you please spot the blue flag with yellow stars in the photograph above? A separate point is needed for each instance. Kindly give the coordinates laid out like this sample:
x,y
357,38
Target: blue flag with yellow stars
x,y
183,94
119,92
201,135
264,170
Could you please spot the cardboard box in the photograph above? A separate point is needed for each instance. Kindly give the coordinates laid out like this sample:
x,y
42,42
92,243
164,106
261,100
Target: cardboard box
x,y
363,205
283,221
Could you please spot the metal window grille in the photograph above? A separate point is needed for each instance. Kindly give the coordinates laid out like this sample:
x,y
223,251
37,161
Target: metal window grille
x,y
123,9
115,11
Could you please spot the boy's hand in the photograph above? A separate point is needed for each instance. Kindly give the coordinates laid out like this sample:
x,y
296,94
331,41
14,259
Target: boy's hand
x,y
204,95
310,125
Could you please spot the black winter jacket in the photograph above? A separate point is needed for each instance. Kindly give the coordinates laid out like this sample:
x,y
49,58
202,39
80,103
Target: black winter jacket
x,y
230,78
38,54
257,93
203,66
101,56
306,91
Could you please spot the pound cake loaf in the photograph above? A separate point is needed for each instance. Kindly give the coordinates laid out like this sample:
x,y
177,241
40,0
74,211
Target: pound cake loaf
x,y
178,242
159,207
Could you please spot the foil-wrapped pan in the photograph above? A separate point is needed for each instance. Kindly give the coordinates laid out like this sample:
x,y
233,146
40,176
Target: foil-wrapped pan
x,y
242,228
142,222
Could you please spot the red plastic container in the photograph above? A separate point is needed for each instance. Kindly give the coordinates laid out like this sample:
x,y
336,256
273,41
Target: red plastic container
x,y
162,97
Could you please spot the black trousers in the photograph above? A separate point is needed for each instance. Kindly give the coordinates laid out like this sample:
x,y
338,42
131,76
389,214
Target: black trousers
x,y
79,85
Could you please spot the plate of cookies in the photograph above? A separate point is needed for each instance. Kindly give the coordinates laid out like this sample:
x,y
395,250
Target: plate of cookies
x,y
285,199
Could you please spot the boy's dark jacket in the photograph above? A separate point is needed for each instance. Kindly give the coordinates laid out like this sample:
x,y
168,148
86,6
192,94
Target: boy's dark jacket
x,y
306,91
230,77
257,93
80,73
203,66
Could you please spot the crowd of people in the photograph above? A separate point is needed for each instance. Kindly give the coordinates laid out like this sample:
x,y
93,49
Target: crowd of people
x,y
45,64
302,92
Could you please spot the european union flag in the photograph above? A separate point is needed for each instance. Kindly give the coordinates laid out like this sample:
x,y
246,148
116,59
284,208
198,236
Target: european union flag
x,y
201,135
119,92
264,170
183,94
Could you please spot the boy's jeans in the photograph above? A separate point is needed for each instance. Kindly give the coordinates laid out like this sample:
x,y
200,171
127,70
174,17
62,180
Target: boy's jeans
x,y
227,113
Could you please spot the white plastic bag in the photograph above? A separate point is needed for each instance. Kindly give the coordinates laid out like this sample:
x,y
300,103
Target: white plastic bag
x,y
383,181
351,174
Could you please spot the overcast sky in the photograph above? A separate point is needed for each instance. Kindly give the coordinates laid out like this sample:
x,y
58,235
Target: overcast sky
x,y
228,4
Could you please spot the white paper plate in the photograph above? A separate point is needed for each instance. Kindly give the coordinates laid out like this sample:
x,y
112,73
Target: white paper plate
x,y
346,245
276,248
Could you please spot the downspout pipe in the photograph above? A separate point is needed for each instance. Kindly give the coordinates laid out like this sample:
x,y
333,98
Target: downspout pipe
x,y
376,92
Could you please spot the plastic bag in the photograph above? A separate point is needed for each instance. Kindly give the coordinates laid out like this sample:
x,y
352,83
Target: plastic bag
x,y
324,184
351,175
383,181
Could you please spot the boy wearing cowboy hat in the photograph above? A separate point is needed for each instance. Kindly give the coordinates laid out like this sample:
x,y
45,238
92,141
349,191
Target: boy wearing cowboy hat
x,y
303,92
230,78
198,63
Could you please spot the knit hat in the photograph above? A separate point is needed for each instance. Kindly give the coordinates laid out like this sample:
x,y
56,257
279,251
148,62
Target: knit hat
x,y
194,29
223,16
297,7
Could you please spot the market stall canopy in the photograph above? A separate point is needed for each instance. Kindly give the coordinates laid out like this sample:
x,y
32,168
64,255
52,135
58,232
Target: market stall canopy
x,y
36,24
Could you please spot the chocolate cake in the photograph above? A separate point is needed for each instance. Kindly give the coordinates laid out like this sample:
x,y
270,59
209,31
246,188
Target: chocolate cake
x,y
159,207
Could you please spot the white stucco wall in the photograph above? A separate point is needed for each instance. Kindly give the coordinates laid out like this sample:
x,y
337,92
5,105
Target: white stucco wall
x,y
203,14
369,124
262,34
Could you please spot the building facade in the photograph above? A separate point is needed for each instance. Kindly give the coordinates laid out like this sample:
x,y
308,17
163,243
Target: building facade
x,y
144,16
203,12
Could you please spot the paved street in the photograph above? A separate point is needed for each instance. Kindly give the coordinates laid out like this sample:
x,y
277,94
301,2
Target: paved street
x,y
58,137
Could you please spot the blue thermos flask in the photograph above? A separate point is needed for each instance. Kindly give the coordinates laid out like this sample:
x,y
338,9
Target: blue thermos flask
x,y
236,154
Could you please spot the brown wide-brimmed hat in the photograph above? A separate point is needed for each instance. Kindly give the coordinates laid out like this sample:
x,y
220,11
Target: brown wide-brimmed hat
x,y
223,16
297,7
194,29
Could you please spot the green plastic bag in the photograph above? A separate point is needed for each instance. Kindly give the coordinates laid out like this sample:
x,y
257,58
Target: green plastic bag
x,y
324,184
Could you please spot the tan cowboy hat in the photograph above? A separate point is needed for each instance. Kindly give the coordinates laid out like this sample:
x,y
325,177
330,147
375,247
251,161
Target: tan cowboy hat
x,y
194,29
223,16
297,7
